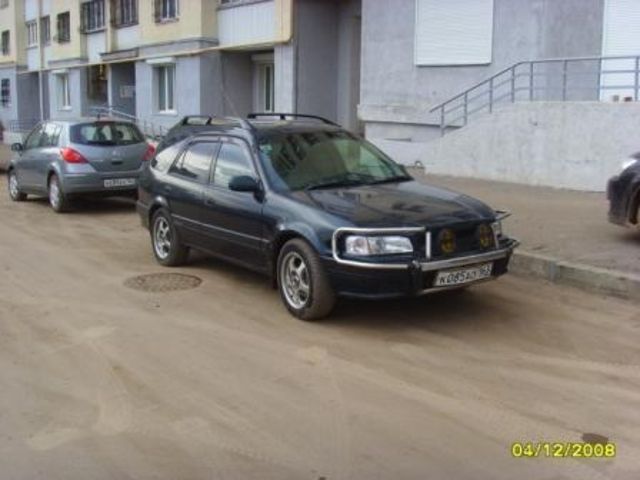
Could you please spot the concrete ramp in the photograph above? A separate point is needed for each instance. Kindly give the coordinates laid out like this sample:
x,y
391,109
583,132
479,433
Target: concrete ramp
x,y
574,145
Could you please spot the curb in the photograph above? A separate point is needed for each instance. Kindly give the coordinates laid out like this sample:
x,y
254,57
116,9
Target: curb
x,y
594,279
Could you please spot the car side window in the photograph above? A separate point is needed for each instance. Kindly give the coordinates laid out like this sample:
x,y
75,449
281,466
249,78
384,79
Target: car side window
x,y
50,135
233,160
195,162
33,140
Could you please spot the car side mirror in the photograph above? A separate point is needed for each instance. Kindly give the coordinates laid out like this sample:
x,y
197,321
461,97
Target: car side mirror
x,y
244,183
17,147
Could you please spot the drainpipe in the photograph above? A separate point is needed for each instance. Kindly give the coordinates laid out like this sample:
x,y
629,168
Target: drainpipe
x,y
41,57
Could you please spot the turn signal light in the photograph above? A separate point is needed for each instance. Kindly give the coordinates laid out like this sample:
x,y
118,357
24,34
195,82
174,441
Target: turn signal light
x,y
148,155
70,155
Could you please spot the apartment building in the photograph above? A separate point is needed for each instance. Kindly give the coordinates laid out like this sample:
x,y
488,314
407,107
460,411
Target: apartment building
x,y
157,60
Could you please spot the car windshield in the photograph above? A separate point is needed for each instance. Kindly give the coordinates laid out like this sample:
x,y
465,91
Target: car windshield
x,y
325,159
106,133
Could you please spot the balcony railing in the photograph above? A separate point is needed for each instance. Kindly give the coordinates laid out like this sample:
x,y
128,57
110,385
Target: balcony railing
x,y
615,78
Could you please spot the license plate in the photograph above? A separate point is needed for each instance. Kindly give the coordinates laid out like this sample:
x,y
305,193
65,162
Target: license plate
x,y
119,182
461,276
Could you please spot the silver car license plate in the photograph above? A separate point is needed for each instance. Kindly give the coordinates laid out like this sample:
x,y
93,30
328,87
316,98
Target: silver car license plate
x,y
460,276
119,182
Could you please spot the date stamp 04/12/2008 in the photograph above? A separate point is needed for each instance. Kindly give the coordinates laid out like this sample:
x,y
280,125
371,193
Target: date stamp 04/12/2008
x,y
563,450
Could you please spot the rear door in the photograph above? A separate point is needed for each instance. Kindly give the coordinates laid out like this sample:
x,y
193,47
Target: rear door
x,y
47,153
26,166
184,186
234,220
110,147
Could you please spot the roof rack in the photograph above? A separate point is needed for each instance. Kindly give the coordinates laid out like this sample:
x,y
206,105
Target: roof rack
x,y
211,119
283,116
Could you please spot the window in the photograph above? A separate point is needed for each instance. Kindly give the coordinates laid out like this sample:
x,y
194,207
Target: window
x,y
296,161
64,27
64,96
267,91
45,29
5,92
165,80
92,16
33,140
6,47
106,133
166,10
97,83
32,34
233,160
124,12
50,135
453,32
195,163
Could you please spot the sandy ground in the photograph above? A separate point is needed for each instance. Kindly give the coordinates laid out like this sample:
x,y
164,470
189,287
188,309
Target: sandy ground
x,y
564,224
99,381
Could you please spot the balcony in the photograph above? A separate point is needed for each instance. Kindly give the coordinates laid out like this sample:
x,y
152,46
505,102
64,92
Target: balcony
x,y
246,22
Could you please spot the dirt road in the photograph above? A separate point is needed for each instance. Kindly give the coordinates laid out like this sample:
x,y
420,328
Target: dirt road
x,y
100,381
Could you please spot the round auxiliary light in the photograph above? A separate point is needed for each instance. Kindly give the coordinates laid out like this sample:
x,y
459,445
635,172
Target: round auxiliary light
x,y
447,240
484,234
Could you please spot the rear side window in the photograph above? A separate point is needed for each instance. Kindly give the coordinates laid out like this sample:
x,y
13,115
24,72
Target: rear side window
x,y
106,133
50,135
195,162
233,160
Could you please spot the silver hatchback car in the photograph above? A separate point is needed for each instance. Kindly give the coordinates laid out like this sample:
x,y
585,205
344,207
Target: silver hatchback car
x,y
63,159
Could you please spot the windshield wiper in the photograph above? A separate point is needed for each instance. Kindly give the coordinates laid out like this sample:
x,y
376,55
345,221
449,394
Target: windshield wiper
x,y
332,184
395,178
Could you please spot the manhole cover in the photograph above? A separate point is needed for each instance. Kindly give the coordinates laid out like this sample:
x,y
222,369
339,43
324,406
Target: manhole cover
x,y
162,282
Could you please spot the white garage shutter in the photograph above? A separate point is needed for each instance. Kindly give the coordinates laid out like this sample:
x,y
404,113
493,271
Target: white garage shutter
x,y
620,36
453,32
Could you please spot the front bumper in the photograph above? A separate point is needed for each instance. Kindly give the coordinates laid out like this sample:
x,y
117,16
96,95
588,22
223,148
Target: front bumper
x,y
391,280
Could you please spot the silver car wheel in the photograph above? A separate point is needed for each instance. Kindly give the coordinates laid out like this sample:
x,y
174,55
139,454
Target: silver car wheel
x,y
54,194
295,283
162,238
14,190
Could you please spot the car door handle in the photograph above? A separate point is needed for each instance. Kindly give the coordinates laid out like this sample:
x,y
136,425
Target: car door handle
x,y
209,201
167,188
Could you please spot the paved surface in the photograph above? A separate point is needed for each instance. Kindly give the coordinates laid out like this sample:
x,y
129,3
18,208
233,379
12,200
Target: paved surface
x,y
100,381
568,225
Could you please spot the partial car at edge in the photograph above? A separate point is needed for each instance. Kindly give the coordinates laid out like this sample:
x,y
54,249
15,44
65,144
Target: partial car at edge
x,y
623,192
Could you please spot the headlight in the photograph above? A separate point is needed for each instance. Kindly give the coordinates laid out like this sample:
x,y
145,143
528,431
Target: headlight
x,y
360,245
627,163
485,235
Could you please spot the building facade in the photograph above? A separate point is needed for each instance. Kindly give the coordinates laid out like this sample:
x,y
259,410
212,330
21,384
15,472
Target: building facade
x,y
155,61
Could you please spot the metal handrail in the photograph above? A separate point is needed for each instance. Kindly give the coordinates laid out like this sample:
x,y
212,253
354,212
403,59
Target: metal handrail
x,y
149,129
506,85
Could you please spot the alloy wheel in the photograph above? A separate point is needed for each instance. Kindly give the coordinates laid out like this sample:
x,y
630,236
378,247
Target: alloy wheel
x,y
54,193
14,189
295,280
162,238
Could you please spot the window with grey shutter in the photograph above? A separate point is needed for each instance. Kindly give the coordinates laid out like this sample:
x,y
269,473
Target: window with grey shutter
x,y
453,32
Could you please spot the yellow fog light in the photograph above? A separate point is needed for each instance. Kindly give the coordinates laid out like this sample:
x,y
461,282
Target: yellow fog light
x,y
485,236
447,241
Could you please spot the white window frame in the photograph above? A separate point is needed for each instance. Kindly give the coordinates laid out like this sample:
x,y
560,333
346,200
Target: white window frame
x,y
45,29
264,69
32,33
164,6
63,91
164,72
440,41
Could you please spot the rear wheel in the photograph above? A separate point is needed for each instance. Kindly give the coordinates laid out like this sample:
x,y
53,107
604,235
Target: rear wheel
x,y
165,241
303,282
14,188
57,198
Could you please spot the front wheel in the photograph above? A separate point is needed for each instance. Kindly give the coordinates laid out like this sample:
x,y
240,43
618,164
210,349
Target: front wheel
x,y
14,188
303,283
165,241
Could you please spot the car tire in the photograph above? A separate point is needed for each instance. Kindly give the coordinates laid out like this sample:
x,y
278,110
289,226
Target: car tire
x,y
303,282
165,241
14,188
58,201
